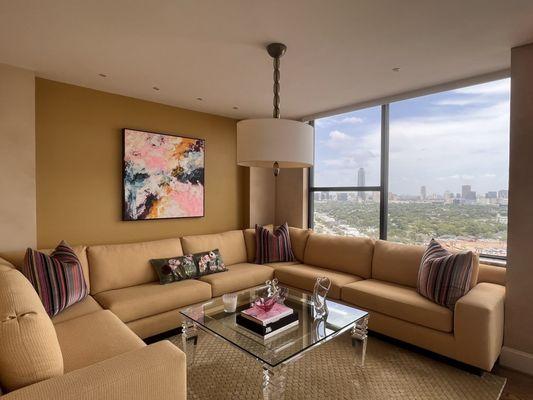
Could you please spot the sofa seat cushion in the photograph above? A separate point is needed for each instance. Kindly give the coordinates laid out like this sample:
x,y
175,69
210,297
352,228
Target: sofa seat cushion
x,y
238,277
304,277
402,302
94,337
153,298
277,265
86,306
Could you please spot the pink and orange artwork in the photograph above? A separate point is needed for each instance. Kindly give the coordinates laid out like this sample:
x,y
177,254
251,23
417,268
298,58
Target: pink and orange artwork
x,y
163,176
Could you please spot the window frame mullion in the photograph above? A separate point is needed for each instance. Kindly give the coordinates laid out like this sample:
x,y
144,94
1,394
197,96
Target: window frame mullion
x,y
384,173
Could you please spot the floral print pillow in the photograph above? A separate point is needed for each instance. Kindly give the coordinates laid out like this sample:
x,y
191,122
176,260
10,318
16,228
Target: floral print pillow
x,y
175,269
209,262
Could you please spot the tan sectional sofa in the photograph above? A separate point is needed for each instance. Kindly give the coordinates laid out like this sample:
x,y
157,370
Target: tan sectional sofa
x,y
379,276
85,353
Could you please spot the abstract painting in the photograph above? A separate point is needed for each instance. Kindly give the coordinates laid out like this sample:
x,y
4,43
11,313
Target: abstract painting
x,y
163,176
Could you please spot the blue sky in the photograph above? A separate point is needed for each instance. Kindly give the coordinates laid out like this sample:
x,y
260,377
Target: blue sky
x,y
442,141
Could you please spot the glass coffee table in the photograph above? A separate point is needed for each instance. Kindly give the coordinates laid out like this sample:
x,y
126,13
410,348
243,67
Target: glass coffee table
x,y
275,353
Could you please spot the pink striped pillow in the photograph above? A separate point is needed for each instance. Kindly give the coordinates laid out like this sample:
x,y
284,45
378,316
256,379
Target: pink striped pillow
x,y
57,278
273,246
444,277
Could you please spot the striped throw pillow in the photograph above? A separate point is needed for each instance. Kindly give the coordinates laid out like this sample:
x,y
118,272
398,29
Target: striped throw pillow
x,y
444,277
57,278
273,246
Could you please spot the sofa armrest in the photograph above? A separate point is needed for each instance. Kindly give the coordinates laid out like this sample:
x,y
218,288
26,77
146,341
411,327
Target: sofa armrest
x,y
157,372
478,324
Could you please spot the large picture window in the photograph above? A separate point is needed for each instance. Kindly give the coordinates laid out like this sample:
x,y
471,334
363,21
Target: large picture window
x,y
434,166
347,183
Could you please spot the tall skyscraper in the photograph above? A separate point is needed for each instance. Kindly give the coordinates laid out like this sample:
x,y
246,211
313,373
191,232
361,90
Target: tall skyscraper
x,y
423,193
465,191
361,182
361,177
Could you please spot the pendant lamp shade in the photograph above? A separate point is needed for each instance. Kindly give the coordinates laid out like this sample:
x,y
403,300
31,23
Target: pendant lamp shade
x,y
262,142
275,142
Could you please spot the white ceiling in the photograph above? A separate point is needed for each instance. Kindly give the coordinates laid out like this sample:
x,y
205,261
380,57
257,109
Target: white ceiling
x,y
339,51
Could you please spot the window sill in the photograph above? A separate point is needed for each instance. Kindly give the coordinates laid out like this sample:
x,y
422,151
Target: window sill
x,y
493,261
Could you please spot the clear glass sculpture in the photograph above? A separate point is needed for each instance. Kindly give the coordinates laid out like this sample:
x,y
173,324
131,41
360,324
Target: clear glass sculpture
x,y
320,292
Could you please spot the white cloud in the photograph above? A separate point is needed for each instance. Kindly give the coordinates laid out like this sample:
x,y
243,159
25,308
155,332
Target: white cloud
x,y
497,87
445,151
467,101
352,120
338,136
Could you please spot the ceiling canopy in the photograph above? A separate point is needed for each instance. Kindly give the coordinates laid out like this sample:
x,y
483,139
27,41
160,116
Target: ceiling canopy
x,y
209,55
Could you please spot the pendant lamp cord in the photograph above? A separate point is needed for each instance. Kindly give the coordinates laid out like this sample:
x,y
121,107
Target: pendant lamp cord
x,y
276,113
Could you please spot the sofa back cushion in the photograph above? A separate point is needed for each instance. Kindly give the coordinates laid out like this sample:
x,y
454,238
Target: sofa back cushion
x,y
399,263
117,266
230,244
492,274
30,351
352,255
299,241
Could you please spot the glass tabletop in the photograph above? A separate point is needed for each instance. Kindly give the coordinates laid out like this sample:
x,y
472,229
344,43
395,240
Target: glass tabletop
x,y
281,347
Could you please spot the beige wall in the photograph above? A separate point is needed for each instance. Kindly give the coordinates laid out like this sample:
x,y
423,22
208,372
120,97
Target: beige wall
x,y
261,197
79,163
17,159
519,302
272,200
291,197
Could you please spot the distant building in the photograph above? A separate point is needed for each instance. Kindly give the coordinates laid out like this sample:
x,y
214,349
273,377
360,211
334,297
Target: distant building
x,y
465,191
423,193
342,196
491,195
361,182
503,194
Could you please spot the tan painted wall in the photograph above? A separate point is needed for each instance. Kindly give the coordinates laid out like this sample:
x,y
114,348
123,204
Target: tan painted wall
x,y
79,161
291,197
277,200
519,302
261,197
17,159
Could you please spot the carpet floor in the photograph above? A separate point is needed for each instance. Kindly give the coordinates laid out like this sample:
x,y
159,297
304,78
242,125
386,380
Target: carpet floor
x,y
222,372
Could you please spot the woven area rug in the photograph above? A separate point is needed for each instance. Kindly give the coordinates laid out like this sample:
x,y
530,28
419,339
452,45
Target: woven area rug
x,y
329,372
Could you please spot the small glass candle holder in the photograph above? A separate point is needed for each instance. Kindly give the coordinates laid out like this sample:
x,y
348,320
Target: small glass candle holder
x,y
230,302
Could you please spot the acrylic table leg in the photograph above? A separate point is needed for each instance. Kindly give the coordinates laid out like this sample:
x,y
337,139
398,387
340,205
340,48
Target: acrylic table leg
x,y
274,382
360,337
189,340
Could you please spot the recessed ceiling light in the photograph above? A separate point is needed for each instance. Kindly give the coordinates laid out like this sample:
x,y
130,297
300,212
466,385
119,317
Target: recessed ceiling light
x,y
103,75
235,107
200,98
396,69
155,88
